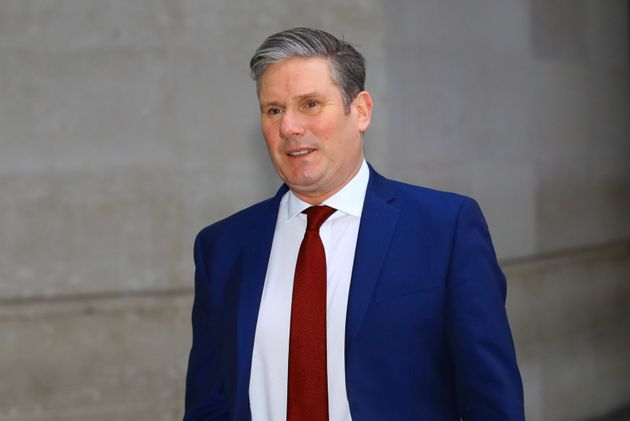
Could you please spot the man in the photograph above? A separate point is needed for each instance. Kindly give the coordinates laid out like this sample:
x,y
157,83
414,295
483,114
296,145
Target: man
x,y
389,305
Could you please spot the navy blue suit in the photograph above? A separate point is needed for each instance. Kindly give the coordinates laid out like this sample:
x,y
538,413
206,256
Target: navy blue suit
x,y
427,337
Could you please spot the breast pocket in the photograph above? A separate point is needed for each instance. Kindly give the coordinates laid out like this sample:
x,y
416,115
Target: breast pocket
x,y
399,287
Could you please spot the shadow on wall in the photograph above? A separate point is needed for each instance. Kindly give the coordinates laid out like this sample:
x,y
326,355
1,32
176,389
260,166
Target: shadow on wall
x,y
619,415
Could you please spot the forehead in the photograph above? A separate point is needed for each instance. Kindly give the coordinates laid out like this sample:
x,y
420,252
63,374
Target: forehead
x,y
296,76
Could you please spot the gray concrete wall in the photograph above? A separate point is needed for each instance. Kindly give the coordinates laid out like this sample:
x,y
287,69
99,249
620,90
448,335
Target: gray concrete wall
x,y
126,126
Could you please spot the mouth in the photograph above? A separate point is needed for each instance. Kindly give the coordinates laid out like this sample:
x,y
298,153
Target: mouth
x,y
300,153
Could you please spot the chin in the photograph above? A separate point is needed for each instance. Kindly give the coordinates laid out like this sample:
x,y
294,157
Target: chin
x,y
302,178
305,184
301,185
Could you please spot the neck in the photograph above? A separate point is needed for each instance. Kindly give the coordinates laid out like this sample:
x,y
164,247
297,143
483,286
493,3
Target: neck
x,y
319,198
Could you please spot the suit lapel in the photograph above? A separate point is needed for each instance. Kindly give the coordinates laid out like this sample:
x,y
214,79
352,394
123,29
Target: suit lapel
x,y
255,260
378,222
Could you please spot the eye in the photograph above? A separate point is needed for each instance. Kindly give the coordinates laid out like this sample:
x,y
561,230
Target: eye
x,y
273,111
311,106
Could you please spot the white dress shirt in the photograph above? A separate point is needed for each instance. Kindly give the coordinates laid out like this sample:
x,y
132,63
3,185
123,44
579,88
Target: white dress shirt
x,y
269,372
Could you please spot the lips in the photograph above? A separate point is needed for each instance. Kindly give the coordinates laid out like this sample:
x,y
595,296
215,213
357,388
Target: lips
x,y
301,152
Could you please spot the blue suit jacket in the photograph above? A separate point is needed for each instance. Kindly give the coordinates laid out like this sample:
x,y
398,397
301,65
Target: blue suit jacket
x,y
427,337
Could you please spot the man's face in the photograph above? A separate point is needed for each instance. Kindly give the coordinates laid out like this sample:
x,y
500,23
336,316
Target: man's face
x,y
315,145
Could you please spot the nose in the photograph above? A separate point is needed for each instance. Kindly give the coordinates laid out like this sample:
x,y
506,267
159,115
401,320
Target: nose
x,y
291,126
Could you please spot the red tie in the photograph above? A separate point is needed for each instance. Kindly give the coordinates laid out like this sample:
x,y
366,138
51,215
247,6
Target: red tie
x,y
307,397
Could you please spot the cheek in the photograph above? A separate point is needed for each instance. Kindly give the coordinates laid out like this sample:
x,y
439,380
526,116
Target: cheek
x,y
331,132
271,137
322,126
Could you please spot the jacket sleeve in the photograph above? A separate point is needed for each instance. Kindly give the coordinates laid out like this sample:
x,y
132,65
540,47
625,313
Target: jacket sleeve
x,y
487,379
205,398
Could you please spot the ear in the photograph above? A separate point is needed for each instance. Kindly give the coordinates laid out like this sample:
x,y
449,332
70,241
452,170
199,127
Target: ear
x,y
363,108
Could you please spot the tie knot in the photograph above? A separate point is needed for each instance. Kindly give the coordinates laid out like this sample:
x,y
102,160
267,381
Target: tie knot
x,y
316,215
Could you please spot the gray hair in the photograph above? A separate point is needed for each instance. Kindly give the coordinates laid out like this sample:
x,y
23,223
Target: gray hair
x,y
347,65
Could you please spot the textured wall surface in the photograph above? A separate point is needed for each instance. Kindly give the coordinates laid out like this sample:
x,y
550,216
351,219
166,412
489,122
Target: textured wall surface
x,y
523,105
126,126
570,321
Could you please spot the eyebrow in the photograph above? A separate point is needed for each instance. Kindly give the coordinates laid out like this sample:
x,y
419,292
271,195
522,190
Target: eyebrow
x,y
308,95
269,104
301,97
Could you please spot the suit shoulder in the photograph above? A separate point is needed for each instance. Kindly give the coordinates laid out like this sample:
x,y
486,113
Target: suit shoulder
x,y
429,198
238,222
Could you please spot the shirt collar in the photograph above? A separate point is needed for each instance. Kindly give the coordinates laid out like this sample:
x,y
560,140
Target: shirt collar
x,y
348,200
